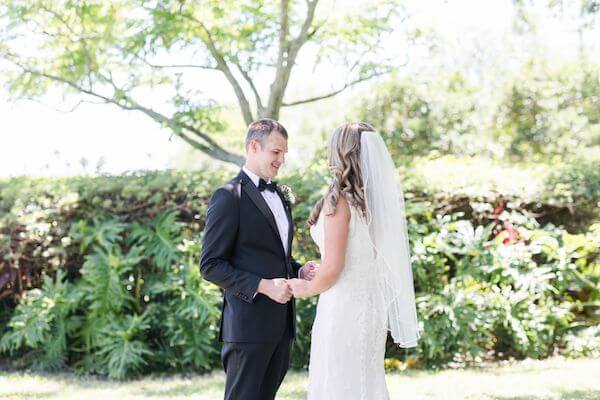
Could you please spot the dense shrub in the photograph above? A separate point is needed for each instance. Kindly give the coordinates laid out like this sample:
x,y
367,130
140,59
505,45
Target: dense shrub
x,y
138,303
550,112
538,114
423,118
101,275
575,184
124,251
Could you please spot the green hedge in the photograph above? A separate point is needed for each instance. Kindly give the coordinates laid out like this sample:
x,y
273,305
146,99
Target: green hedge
x,y
101,274
541,112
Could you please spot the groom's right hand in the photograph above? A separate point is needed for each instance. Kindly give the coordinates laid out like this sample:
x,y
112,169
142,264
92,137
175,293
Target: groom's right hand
x,y
276,289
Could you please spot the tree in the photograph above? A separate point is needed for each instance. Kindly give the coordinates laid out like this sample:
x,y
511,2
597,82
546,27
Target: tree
x,y
580,15
113,52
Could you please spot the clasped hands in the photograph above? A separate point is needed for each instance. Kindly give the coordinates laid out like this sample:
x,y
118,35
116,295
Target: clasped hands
x,y
281,290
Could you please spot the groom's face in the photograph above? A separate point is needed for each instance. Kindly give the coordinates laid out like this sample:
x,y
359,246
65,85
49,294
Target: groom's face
x,y
269,157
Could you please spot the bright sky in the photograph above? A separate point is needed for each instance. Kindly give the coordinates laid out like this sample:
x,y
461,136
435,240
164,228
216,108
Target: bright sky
x,y
38,139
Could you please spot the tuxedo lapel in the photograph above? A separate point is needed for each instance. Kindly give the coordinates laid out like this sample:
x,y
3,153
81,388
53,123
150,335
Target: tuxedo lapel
x,y
288,214
252,191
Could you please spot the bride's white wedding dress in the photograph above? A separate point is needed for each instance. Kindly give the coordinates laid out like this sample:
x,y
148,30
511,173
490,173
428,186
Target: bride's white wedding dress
x,y
350,329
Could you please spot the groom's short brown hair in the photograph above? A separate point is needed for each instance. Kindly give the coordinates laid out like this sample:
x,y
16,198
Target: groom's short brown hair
x,y
260,129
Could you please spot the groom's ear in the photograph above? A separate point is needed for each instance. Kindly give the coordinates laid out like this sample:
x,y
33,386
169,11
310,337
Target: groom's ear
x,y
251,147
255,146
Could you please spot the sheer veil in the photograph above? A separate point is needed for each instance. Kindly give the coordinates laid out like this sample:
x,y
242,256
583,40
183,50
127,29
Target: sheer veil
x,y
386,216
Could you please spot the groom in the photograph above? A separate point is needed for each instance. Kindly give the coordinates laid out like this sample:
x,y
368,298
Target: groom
x,y
246,251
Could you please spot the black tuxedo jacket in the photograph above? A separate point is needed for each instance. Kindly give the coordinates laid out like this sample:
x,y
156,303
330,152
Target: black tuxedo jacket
x,y
241,245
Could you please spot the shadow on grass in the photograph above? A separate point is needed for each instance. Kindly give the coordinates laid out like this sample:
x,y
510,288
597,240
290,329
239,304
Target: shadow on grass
x,y
563,395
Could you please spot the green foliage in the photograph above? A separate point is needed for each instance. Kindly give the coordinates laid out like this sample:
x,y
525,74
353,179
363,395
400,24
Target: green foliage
x,y
113,51
43,322
127,297
306,310
421,119
121,352
138,302
481,296
184,311
574,184
147,307
584,343
540,113
159,238
550,113
104,233
456,323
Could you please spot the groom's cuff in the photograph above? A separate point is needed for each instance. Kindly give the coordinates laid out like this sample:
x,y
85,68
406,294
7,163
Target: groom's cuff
x,y
252,289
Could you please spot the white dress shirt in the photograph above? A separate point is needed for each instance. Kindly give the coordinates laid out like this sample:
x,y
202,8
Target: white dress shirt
x,y
274,202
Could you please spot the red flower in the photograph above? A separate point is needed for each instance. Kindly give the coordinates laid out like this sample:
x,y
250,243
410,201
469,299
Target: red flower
x,y
510,233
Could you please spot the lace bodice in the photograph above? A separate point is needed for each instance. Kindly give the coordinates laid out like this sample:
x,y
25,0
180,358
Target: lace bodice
x,y
350,329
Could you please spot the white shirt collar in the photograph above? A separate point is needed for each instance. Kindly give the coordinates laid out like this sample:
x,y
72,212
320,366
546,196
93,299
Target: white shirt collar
x,y
255,178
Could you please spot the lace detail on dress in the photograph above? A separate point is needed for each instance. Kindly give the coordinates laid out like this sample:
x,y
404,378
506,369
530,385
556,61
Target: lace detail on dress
x,y
350,329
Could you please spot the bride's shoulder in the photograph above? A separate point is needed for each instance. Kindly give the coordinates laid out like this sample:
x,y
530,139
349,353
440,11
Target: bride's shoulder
x,y
342,208
344,205
350,204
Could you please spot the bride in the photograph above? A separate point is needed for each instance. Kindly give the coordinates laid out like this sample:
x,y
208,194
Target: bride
x,y
365,278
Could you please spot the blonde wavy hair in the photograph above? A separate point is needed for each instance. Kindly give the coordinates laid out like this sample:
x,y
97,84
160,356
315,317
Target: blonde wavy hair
x,y
343,152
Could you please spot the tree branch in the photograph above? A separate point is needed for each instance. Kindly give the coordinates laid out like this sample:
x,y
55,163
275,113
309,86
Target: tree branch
x,y
259,106
283,32
288,51
213,149
302,37
335,92
72,109
157,66
224,67
210,147
78,37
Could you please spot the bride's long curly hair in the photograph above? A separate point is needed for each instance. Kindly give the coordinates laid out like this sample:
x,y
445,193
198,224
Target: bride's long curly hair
x,y
344,165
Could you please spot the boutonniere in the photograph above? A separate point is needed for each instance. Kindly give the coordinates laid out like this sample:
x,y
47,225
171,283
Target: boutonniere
x,y
288,195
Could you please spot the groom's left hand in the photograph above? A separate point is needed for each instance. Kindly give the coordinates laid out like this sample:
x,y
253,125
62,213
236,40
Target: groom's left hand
x,y
309,270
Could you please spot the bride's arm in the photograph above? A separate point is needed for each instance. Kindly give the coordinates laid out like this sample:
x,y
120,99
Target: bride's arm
x,y
336,237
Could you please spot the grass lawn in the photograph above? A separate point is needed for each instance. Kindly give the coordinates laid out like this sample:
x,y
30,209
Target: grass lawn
x,y
555,378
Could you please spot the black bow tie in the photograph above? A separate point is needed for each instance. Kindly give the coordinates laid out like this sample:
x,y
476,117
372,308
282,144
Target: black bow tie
x,y
262,185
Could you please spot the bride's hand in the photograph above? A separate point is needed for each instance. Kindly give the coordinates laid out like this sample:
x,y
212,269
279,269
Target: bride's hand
x,y
299,288
309,270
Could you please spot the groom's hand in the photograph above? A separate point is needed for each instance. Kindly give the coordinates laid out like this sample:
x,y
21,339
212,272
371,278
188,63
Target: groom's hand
x,y
276,289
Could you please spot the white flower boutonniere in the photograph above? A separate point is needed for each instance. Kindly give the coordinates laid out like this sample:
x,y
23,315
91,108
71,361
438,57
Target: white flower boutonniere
x,y
288,195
